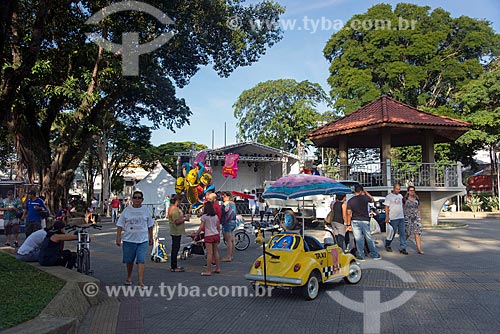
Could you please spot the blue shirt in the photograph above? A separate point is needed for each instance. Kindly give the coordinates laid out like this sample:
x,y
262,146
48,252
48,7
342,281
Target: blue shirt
x,y
34,214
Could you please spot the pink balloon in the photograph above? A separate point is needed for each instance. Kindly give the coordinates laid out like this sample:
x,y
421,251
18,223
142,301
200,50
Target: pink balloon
x,y
231,165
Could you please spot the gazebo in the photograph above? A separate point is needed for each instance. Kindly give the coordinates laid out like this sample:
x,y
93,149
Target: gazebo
x,y
386,123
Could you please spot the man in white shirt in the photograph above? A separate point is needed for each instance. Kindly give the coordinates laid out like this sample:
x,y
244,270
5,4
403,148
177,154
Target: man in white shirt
x,y
394,215
252,204
30,249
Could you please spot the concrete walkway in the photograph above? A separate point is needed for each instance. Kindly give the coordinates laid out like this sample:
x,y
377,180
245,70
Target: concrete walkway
x,y
456,285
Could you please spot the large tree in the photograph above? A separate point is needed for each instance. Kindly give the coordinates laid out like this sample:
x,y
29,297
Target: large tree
x,y
279,113
416,56
59,90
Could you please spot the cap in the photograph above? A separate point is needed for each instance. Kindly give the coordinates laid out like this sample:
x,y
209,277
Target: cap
x,y
58,225
10,192
31,192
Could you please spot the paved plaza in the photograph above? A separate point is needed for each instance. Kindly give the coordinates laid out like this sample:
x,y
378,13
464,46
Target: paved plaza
x,y
456,284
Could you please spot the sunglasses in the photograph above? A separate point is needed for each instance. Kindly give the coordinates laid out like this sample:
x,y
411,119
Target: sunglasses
x,y
135,197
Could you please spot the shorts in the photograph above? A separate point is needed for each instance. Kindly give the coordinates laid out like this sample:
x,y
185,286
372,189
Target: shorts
x,y
212,239
12,226
134,251
228,227
253,210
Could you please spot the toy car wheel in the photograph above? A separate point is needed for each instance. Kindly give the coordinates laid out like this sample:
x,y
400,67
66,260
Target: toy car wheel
x,y
157,259
152,257
354,274
311,289
289,220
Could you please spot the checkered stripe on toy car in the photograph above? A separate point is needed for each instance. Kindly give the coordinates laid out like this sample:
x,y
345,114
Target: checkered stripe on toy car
x,y
328,271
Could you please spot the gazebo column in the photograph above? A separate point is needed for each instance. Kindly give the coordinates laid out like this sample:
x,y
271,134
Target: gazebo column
x,y
385,157
343,158
428,172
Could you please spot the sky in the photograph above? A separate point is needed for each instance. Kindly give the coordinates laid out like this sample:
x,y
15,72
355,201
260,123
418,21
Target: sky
x,y
298,56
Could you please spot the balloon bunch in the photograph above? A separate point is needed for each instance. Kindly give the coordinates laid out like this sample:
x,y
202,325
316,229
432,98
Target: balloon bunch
x,y
195,181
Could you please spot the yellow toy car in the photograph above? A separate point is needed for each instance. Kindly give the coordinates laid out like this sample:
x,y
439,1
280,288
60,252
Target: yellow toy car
x,y
296,260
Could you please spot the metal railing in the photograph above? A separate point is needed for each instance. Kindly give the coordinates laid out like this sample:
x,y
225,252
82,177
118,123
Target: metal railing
x,y
406,173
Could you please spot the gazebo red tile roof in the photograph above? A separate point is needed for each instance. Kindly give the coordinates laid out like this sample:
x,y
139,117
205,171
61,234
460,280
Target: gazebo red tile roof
x,y
406,124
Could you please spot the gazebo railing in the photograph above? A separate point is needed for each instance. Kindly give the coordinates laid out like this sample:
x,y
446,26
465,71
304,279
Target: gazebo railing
x,y
406,173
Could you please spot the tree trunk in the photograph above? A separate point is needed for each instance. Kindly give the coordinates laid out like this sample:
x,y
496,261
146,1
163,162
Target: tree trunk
x,y
103,156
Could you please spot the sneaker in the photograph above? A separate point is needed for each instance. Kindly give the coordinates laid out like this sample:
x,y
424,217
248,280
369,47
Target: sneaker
x,y
377,258
403,251
16,244
7,244
360,259
388,249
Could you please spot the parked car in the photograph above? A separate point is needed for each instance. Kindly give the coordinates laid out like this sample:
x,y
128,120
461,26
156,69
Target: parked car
x,y
293,260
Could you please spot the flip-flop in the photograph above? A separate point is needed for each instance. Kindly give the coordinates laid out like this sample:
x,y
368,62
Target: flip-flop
x,y
127,283
206,274
226,260
177,270
216,271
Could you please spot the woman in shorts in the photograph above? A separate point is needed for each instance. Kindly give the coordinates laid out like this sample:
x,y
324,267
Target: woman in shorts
x,y
228,224
135,229
211,225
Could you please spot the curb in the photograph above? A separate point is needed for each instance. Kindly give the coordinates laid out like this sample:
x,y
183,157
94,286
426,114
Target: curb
x,y
67,310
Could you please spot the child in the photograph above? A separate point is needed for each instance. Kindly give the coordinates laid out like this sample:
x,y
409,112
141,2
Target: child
x,y
211,225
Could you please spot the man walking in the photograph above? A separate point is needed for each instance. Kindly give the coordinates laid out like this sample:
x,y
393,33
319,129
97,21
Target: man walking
x,y
359,219
34,206
115,206
394,215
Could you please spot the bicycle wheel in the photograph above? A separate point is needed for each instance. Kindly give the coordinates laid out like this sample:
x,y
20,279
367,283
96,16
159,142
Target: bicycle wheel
x,y
241,241
84,261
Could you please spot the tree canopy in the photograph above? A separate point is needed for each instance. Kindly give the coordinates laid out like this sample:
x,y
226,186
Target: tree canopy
x,y
418,57
60,90
279,113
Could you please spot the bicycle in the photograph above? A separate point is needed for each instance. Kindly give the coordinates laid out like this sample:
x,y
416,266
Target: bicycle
x,y
83,247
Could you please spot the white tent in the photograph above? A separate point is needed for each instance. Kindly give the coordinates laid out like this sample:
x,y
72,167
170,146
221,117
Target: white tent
x,y
155,186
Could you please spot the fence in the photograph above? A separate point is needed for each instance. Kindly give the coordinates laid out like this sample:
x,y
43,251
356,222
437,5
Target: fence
x,y
406,173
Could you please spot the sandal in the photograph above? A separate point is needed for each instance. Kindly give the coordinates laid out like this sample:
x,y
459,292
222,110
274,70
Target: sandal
x,y
216,271
127,282
206,274
177,270
226,259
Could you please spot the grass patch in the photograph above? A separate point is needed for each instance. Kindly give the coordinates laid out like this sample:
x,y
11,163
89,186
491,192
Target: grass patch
x,y
445,225
25,291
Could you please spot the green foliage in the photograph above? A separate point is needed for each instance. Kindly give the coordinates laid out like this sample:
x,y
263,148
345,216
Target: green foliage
x,y
475,203
424,66
60,91
165,154
489,202
25,291
479,102
278,113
